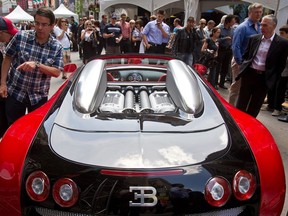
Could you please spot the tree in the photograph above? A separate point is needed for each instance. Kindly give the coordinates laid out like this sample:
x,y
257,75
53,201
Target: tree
x,y
79,7
241,10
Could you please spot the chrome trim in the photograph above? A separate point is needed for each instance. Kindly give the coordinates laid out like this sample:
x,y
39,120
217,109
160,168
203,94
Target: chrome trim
x,y
183,88
140,67
126,83
91,87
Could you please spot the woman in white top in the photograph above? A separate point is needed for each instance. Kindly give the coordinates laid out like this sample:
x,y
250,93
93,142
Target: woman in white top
x,y
62,34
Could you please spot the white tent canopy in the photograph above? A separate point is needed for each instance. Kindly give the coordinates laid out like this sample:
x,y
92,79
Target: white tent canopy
x,y
18,14
150,5
62,11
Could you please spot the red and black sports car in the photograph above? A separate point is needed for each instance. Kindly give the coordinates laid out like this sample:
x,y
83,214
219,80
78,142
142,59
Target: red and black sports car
x,y
139,135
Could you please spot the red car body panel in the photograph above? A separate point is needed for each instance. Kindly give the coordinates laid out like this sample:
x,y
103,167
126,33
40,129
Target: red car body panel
x,y
17,144
264,148
268,160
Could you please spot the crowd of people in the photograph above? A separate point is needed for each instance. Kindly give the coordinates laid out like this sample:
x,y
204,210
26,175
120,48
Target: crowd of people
x,y
251,52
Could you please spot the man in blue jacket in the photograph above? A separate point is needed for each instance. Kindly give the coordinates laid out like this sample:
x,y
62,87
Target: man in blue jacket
x,y
242,33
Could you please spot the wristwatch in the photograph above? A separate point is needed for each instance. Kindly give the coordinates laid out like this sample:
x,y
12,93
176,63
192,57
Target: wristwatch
x,y
37,65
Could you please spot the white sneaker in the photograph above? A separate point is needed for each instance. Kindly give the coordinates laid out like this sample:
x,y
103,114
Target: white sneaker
x,y
276,113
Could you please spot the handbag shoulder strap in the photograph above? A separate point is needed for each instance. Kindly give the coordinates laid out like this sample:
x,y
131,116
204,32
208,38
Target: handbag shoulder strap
x,y
67,35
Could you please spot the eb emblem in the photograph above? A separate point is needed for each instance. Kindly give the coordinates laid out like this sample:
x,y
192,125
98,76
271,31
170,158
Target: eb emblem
x,y
143,196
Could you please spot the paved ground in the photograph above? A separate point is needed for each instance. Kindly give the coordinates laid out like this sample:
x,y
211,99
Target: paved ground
x,y
278,129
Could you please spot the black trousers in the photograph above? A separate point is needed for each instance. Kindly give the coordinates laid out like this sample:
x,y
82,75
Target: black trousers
x,y
16,109
252,92
276,95
125,46
3,118
102,45
224,63
75,43
158,49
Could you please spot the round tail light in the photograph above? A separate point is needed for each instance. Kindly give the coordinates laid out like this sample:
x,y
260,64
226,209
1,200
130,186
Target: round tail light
x,y
217,191
244,185
65,192
38,186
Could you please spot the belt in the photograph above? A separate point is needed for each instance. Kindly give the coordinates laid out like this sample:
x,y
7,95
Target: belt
x,y
257,71
153,44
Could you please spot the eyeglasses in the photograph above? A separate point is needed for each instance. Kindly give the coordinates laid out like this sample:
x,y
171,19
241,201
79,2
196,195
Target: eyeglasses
x,y
203,23
44,25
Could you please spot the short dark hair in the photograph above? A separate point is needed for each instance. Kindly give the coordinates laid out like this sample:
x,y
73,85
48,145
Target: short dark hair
x,y
211,22
229,18
214,30
284,29
97,23
45,12
191,19
139,22
162,12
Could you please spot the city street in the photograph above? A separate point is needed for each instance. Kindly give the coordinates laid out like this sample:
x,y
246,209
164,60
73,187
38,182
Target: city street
x,y
278,129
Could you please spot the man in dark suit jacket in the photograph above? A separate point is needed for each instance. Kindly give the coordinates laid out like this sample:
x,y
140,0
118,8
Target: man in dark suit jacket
x,y
263,62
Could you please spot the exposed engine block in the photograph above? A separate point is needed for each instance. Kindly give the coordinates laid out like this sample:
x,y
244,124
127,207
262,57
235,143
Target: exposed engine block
x,y
180,92
138,100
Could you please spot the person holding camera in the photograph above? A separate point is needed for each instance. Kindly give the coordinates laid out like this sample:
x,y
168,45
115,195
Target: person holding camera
x,y
89,34
61,32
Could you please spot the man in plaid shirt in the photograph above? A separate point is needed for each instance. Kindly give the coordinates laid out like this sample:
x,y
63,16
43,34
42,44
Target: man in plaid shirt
x,y
31,58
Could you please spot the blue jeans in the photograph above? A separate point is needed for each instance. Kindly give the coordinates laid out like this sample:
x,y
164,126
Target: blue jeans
x,y
186,58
